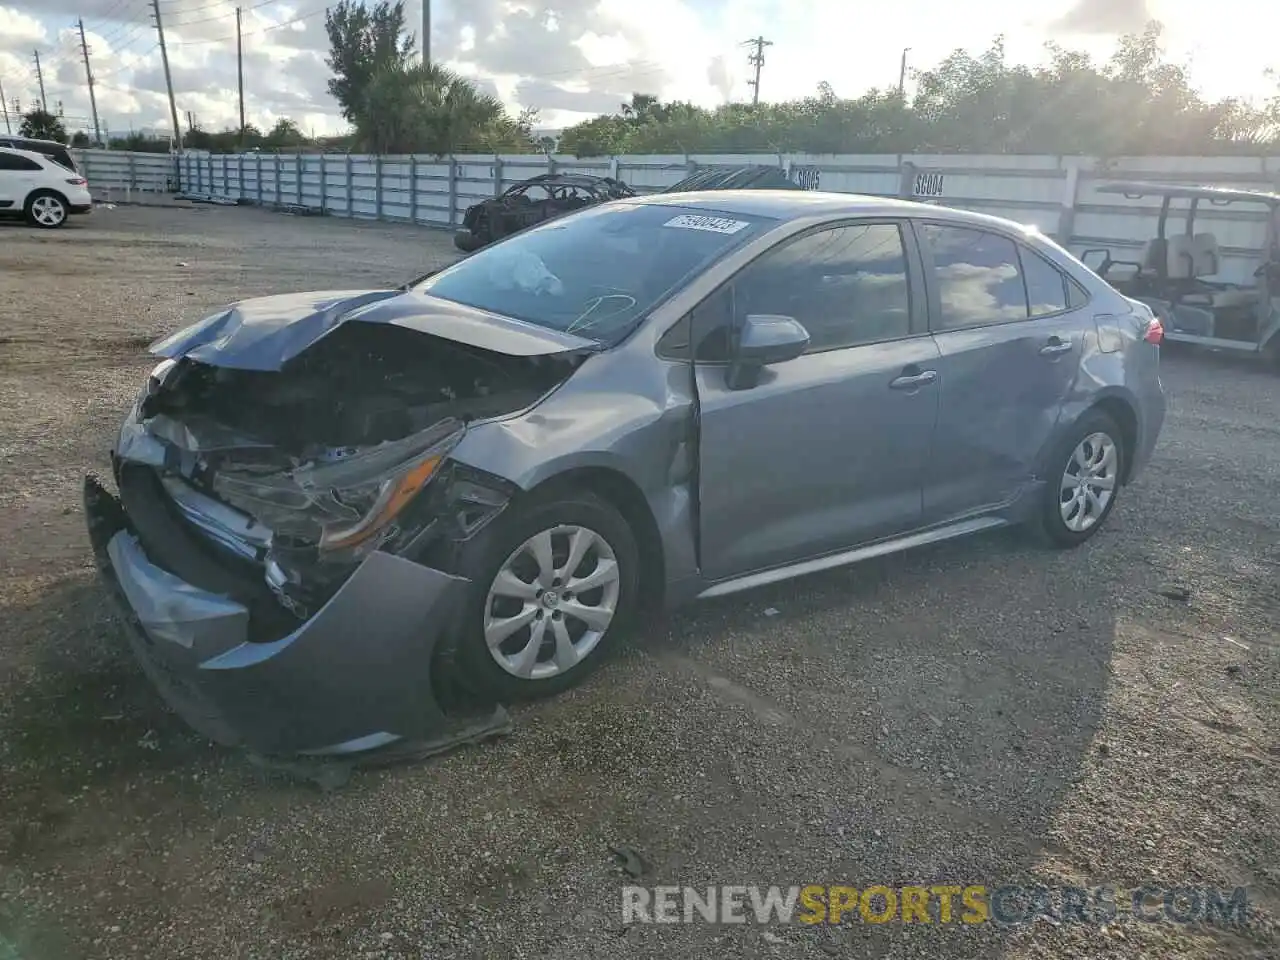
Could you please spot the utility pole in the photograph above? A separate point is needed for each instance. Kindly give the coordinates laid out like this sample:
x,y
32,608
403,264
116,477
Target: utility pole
x,y
902,74
756,60
40,77
168,78
426,33
240,73
4,105
93,99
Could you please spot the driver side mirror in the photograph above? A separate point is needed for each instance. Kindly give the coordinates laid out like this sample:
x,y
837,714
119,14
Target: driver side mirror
x,y
764,340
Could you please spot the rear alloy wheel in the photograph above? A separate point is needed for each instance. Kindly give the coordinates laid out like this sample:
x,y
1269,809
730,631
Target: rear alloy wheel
x,y
46,210
553,581
1080,496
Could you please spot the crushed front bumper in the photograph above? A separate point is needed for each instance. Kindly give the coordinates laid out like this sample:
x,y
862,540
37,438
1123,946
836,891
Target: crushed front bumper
x,y
355,677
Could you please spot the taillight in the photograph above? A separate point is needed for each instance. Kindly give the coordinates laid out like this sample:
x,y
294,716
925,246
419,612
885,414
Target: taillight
x,y
77,181
1155,332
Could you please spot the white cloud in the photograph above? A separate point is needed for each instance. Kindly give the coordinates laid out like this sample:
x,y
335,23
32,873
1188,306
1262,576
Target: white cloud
x,y
571,58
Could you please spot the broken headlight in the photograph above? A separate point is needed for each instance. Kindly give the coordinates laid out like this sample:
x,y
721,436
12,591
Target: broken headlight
x,y
347,502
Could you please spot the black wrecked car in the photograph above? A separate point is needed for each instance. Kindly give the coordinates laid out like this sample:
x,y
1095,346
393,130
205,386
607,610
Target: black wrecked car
x,y
556,194
537,199
755,176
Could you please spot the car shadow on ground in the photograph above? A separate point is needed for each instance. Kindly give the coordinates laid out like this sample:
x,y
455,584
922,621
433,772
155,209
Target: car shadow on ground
x,y
916,719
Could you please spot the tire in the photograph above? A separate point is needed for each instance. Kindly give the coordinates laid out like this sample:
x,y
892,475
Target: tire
x,y
46,209
1091,436
503,547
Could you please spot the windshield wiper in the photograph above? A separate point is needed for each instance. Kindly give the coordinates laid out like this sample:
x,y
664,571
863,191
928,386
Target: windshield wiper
x,y
405,288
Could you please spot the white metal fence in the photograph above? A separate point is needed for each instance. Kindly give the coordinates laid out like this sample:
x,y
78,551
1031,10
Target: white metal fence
x,y
1057,194
118,175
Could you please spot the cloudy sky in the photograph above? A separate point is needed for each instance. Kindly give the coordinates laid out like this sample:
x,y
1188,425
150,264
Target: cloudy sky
x,y
572,58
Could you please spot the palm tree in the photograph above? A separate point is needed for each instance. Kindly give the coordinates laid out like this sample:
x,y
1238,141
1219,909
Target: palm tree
x,y
640,108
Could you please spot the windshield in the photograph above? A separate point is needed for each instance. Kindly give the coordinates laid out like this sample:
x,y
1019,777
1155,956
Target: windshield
x,y
597,272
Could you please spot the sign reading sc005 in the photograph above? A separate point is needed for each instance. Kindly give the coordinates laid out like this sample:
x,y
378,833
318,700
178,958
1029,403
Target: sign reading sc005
x,y
928,185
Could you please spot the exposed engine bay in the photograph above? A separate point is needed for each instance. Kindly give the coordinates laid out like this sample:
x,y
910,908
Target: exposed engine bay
x,y
291,477
360,385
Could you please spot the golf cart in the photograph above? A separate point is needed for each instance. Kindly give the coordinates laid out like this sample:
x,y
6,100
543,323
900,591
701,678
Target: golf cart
x,y
1172,273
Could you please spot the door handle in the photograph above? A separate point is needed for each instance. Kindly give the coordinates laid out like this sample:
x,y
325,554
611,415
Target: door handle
x,y
1054,346
911,381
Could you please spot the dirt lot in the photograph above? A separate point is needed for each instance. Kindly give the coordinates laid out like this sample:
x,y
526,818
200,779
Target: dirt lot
x,y
982,712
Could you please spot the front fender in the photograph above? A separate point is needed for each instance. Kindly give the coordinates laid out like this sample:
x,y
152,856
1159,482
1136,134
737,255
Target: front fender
x,y
634,419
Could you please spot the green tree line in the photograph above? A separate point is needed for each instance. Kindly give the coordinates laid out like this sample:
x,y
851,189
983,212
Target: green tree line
x,y
1136,102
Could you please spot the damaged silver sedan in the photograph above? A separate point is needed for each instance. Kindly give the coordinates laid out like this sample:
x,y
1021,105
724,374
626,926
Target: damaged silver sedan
x,y
333,508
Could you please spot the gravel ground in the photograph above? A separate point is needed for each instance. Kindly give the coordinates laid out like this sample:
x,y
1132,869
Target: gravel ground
x,y
982,712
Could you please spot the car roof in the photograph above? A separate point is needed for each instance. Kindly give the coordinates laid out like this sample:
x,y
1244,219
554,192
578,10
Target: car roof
x,y
582,178
22,139
29,154
795,204
1144,188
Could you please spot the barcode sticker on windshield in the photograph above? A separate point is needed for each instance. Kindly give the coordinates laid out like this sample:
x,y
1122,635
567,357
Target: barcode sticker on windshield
x,y
689,221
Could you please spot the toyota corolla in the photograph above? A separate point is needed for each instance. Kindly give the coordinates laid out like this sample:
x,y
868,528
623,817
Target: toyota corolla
x,y
329,505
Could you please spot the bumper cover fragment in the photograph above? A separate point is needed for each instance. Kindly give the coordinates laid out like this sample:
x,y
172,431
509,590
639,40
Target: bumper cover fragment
x,y
356,677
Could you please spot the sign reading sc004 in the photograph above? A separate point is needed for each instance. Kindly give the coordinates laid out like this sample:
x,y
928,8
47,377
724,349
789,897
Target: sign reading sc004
x,y
806,178
928,185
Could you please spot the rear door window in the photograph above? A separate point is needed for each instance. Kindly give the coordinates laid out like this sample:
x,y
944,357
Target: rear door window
x,y
978,276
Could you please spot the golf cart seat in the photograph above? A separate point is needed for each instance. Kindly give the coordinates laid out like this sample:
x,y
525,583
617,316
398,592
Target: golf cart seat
x,y
1206,262
1181,258
1147,264
1204,250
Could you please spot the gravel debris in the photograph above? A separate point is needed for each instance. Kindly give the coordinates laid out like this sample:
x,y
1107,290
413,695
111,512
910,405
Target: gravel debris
x,y
979,712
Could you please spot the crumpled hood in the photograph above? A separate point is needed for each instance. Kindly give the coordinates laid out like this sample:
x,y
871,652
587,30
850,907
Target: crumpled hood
x,y
267,332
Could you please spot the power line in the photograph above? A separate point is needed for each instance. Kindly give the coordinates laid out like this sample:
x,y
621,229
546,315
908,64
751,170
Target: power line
x,y
129,28
123,68
251,33
127,35
192,23
207,6
756,60
108,13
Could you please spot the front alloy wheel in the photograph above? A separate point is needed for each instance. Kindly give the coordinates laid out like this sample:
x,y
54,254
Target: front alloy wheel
x,y
554,580
551,602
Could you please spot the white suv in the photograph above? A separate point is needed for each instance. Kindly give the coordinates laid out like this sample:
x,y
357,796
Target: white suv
x,y
40,189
